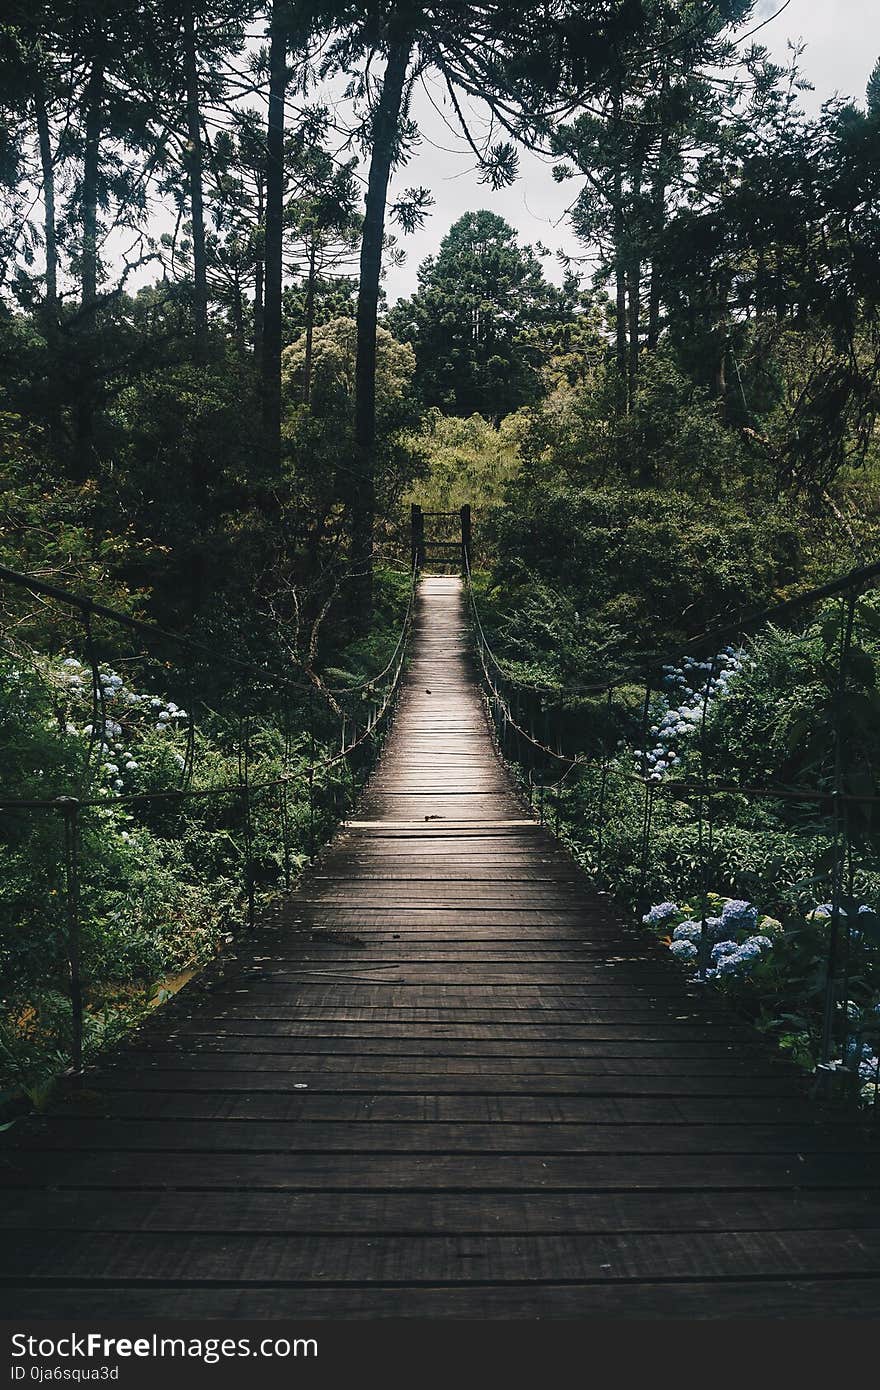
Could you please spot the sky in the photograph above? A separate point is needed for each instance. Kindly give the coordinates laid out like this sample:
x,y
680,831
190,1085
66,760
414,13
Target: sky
x,y
843,44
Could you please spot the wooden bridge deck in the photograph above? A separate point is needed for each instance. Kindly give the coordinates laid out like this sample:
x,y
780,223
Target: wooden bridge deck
x,y
447,1083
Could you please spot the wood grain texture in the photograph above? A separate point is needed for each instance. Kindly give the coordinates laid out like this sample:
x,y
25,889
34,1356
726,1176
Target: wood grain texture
x,y
445,1081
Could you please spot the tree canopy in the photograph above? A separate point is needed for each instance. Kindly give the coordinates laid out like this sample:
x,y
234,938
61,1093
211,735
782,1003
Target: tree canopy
x,y
469,321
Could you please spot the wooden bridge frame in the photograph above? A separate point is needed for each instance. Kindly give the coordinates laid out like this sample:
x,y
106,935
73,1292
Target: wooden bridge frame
x,y
422,542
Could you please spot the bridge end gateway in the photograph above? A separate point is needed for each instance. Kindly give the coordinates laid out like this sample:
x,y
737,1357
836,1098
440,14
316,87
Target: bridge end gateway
x,y
439,538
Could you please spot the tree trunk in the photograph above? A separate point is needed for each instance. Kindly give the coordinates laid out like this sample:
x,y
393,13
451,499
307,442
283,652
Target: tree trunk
x,y
270,356
48,170
620,294
384,145
194,171
238,318
721,332
658,219
310,325
85,407
258,278
634,293
91,163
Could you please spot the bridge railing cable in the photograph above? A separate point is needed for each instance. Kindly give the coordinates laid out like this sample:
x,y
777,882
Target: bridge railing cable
x,y
320,750
603,731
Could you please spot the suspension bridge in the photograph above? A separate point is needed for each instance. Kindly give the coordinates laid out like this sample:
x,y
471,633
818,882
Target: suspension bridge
x,y
445,1081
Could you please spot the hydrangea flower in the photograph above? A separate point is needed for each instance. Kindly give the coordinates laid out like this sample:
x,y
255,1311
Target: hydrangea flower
x,y
868,1067
824,911
724,948
683,950
739,916
688,931
659,913
688,690
770,925
733,964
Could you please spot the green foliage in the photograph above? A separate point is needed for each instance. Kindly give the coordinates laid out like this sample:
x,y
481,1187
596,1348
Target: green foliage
x,y
469,320
163,881
642,567
333,368
465,461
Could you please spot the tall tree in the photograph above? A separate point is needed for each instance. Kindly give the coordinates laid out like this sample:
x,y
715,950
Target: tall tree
x,y
473,318
273,248
384,142
194,172
666,94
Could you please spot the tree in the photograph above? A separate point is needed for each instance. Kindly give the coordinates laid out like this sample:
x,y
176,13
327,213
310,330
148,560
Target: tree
x,y
334,369
323,228
873,90
270,354
194,161
663,102
470,321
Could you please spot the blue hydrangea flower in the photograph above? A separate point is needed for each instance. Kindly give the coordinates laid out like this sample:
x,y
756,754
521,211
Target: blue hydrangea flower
x,y
659,913
724,948
688,931
683,950
823,912
739,916
733,964
868,1068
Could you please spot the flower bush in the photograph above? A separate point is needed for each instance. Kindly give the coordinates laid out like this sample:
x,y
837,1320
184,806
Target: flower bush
x,y
722,945
689,691
777,973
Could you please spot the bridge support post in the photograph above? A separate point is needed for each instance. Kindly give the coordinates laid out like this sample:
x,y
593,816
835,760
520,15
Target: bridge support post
x,y
70,811
465,537
417,534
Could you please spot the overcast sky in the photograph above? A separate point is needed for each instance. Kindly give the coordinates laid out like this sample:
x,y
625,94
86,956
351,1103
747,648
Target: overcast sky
x,y
843,43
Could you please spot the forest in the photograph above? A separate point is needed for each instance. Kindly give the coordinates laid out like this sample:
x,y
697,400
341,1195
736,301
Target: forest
x,y
215,422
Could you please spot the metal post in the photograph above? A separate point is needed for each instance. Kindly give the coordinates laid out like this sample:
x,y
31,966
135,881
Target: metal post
x,y
244,758
311,778
839,850
704,824
311,812
284,802
649,790
70,812
603,785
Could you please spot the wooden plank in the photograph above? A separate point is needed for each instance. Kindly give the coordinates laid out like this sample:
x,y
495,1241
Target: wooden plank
x,y
158,1078
396,1065
459,1213
227,1044
159,1133
437,1172
263,1259
683,1299
446,1108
